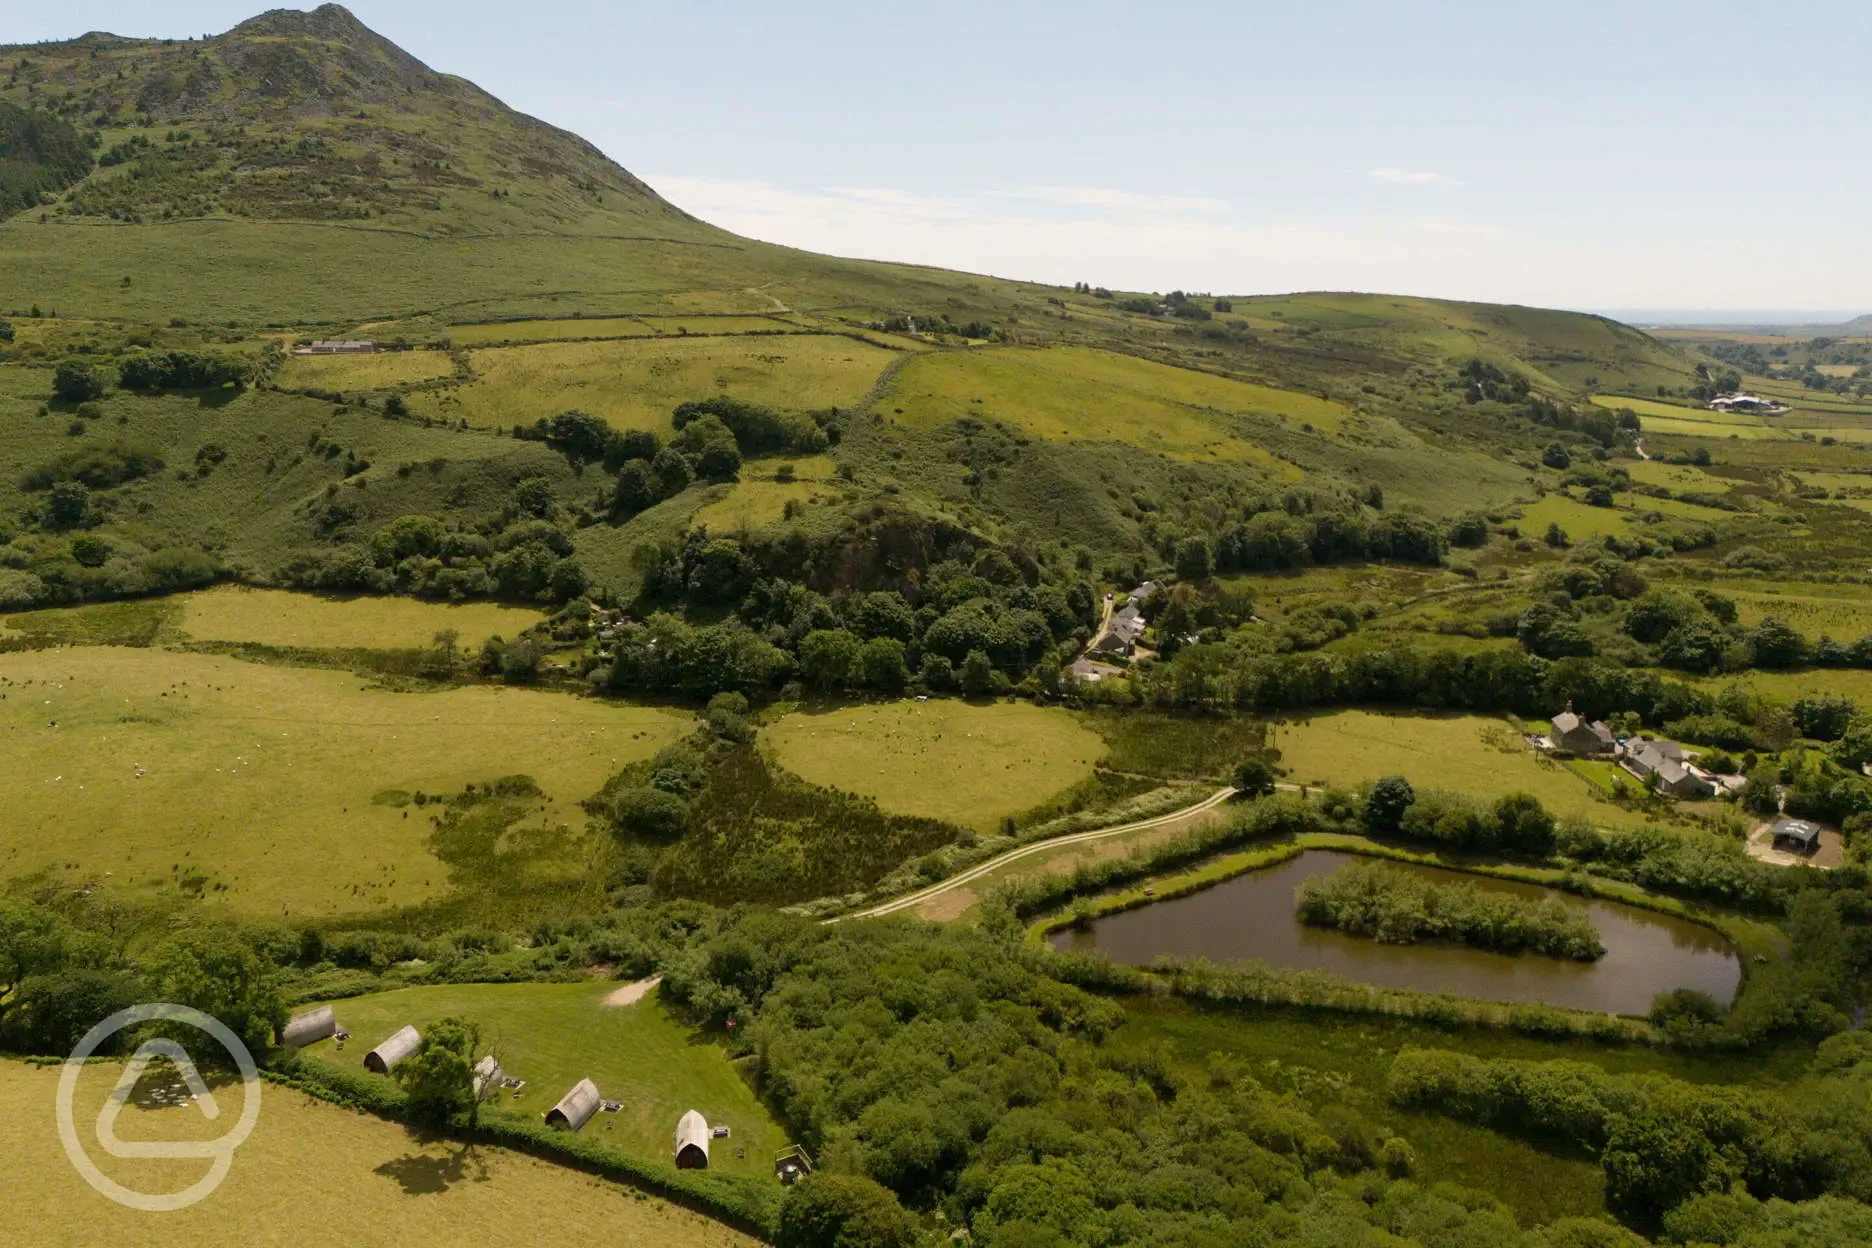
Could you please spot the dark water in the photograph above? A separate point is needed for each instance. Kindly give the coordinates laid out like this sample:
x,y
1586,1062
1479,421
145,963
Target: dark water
x,y
1252,916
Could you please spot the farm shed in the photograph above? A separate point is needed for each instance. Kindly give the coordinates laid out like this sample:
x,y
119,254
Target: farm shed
x,y
310,1027
692,1141
1797,834
380,1059
575,1108
487,1074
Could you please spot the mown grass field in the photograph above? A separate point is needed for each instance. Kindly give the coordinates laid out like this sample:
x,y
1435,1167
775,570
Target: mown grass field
x,y
309,1170
1575,518
1079,394
636,384
968,764
553,1035
379,370
1473,754
760,498
278,617
270,787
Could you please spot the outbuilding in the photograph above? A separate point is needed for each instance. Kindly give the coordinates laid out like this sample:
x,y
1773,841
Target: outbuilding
x,y
1796,834
575,1108
380,1059
310,1028
692,1141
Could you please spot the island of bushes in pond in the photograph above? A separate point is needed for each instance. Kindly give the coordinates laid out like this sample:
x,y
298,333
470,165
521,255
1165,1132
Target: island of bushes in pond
x,y
1399,907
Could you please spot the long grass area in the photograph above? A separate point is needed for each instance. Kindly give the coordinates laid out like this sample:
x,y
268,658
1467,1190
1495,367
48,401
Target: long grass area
x,y
584,329
378,370
1842,610
1472,754
964,763
1068,394
284,791
553,1035
637,383
309,1170
279,617
761,497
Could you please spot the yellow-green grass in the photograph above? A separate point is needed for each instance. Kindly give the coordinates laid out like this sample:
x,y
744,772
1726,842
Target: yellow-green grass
x,y
1576,518
636,384
1482,757
274,785
585,328
379,370
1657,407
968,764
1841,611
1641,504
759,498
280,617
1836,370
1711,429
1851,683
1677,476
1835,480
1081,394
310,1170
553,1035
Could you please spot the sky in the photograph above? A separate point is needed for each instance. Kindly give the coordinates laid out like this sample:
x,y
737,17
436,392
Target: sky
x,y
1604,156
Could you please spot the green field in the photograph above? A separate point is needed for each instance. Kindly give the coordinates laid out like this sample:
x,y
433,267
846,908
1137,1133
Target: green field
x,y
586,328
636,384
379,370
1676,476
279,617
1842,611
759,498
553,1035
309,1168
1576,519
1472,754
967,764
274,788
1070,394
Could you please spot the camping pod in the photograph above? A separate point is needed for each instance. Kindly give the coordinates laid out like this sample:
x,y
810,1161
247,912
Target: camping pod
x,y
487,1074
575,1108
692,1140
380,1059
310,1028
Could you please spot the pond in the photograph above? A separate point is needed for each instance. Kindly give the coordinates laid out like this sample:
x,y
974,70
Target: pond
x,y
1252,916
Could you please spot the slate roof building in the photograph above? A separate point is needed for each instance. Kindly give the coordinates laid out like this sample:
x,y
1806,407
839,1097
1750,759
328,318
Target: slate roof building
x,y
692,1141
575,1108
399,1046
1665,759
1572,733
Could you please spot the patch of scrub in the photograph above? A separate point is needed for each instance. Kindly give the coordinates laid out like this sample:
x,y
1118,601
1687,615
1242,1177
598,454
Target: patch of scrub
x,y
964,763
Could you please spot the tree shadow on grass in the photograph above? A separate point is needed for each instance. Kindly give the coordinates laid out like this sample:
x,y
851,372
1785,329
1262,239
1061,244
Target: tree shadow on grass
x,y
420,1174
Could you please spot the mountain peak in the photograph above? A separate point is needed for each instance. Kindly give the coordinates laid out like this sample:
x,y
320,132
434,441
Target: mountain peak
x,y
328,21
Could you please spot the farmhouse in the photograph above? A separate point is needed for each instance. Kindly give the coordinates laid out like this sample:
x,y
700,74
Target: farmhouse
x,y
310,1028
1572,733
1742,401
1646,757
692,1141
336,346
399,1046
1121,638
575,1108
1797,834
1090,672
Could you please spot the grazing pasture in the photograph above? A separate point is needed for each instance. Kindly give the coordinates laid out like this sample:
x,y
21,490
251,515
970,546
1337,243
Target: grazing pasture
x,y
1069,394
553,1035
1841,610
379,370
1575,518
287,792
309,1169
1676,476
760,497
1472,754
278,617
587,328
964,763
637,383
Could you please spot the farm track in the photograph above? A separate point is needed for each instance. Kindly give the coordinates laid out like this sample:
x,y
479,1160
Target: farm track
x,y
937,889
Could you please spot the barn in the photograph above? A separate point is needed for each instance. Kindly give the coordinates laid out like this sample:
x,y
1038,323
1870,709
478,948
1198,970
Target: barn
x,y
692,1141
380,1059
575,1108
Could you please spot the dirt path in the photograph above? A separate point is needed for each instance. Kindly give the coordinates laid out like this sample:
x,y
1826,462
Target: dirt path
x,y
924,901
631,994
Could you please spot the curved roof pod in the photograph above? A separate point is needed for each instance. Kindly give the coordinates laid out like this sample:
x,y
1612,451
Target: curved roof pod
x,y
380,1059
692,1141
310,1027
575,1108
487,1074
